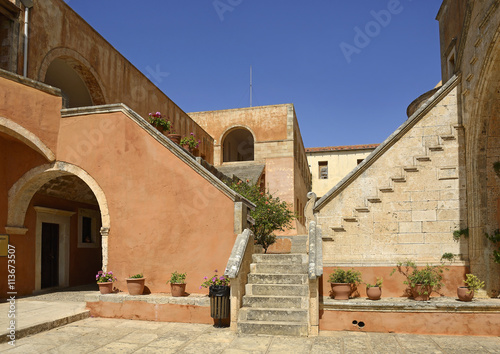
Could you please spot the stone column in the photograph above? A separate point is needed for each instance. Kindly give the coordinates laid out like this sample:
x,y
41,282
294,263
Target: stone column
x,y
104,245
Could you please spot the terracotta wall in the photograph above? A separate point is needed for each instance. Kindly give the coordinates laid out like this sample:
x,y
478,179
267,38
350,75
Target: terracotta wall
x,y
393,286
164,216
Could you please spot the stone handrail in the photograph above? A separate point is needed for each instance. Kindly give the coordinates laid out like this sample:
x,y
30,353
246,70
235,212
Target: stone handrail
x,y
237,269
315,251
237,254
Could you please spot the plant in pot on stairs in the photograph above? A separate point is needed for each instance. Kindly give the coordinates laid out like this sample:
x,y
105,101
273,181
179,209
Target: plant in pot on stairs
x,y
219,291
105,281
135,284
177,284
344,282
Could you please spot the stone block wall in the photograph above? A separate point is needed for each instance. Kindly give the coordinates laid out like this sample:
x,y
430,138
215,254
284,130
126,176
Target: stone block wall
x,y
406,200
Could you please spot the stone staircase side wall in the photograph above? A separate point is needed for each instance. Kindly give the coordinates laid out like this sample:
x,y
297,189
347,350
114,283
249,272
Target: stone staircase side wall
x,y
415,215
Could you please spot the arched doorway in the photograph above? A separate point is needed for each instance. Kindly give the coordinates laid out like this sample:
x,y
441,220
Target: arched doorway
x,y
67,212
238,145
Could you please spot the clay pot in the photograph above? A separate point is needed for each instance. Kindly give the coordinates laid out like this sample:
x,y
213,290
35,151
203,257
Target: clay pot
x,y
421,292
374,292
176,138
341,291
464,294
135,286
106,288
178,289
186,147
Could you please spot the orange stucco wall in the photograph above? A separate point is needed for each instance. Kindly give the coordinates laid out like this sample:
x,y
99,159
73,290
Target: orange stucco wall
x,y
481,324
135,310
164,216
393,285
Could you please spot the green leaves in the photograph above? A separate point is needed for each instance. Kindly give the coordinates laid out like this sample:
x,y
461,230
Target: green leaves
x,y
270,214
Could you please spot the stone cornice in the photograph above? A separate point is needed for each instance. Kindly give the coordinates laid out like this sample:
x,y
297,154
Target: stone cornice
x,y
388,143
162,139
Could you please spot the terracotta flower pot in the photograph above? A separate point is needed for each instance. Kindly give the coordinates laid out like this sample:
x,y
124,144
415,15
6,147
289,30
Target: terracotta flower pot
x,y
106,288
374,292
421,292
178,289
464,294
341,291
176,138
186,147
135,286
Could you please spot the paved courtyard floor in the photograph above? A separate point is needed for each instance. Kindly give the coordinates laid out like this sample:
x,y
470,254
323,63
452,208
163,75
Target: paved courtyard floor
x,y
126,336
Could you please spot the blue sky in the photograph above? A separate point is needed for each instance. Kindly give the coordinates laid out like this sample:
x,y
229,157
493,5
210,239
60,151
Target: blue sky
x,y
350,67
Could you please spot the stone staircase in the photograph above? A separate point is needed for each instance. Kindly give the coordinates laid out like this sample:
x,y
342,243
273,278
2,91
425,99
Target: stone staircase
x,y
277,296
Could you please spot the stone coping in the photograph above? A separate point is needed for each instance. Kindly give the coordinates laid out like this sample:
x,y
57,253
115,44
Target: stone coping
x,y
157,298
396,304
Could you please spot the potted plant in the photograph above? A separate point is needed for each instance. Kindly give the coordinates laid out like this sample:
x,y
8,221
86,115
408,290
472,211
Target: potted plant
x,y
190,143
374,292
176,138
160,123
473,283
343,282
422,282
105,281
135,284
219,292
177,284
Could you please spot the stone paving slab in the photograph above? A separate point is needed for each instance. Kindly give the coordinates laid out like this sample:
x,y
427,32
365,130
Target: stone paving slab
x,y
128,336
35,316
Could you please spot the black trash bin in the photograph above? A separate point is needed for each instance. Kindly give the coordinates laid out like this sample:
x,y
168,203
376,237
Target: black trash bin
x,y
219,303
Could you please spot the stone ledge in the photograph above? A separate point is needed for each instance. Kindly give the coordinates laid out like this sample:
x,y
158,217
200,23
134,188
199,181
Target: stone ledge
x,y
161,298
435,304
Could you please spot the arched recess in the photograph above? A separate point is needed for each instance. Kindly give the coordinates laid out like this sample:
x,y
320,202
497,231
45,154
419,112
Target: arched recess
x,y
22,134
21,193
238,144
482,151
72,73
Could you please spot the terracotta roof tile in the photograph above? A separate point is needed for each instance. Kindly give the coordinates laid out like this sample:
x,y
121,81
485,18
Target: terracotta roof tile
x,y
342,148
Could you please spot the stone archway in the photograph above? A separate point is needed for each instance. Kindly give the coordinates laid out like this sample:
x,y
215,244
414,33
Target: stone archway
x,y
21,193
80,66
24,135
482,123
238,144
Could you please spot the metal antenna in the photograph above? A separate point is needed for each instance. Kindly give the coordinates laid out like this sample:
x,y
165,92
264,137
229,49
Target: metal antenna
x,y
250,85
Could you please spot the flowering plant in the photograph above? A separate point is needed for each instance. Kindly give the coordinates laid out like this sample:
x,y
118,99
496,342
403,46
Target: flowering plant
x,y
157,120
103,277
215,280
190,141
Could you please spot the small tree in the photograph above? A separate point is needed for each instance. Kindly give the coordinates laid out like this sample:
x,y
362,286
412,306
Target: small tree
x,y
270,214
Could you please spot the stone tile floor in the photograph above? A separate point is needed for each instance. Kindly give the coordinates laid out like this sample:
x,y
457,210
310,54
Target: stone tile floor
x,y
126,336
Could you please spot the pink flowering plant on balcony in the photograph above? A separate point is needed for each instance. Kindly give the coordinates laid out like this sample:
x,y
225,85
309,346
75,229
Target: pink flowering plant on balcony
x,y
103,277
160,123
215,280
191,141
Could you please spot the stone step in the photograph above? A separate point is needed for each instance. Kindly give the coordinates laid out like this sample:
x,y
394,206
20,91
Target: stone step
x,y
286,315
273,289
280,258
398,179
277,279
386,189
423,158
436,148
287,302
411,168
273,328
274,268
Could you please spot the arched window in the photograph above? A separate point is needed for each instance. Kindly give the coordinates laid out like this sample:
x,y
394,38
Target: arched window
x,y
63,76
238,146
